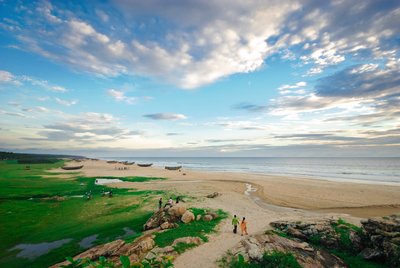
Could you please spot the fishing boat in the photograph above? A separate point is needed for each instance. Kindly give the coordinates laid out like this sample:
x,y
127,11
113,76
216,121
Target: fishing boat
x,y
72,168
112,162
173,168
145,165
129,163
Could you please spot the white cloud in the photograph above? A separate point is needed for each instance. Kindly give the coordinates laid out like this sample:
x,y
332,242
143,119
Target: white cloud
x,y
7,77
165,116
120,96
66,102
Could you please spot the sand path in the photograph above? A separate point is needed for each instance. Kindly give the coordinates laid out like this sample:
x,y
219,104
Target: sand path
x,y
259,215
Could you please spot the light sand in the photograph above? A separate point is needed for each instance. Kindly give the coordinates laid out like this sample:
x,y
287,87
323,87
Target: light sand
x,y
276,198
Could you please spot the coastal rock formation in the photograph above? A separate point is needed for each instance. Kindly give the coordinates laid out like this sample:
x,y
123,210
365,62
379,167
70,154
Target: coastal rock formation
x,y
253,248
383,239
113,250
376,239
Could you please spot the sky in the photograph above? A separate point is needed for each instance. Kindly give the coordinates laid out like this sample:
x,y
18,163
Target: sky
x,y
200,78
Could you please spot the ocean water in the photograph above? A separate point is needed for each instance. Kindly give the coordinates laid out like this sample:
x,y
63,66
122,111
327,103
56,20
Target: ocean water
x,y
355,169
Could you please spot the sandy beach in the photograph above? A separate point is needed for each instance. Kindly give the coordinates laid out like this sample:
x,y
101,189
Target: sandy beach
x,y
270,198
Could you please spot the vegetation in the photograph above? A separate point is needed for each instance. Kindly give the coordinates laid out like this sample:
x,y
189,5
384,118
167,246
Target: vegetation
x,y
273,259
33,158
195,228
343,228
355,261
346,251
39,206
182,247
125,262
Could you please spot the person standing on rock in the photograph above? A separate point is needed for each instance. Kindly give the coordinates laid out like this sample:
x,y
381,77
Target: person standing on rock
x,y
243,226
235,222
169,203
160,203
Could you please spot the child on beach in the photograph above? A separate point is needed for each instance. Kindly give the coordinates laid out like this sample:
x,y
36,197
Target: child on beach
x,y
235,222
243,226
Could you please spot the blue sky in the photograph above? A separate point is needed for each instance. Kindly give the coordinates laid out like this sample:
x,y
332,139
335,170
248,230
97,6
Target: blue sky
x,y
196,78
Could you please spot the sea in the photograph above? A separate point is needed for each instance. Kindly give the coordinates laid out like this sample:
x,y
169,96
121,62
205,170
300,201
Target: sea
x,y
377,170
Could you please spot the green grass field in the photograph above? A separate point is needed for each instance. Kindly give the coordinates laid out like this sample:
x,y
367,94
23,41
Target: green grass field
x,y
30,214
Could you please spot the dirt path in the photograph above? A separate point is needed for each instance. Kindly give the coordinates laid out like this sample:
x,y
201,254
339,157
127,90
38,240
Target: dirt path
x,y
258,214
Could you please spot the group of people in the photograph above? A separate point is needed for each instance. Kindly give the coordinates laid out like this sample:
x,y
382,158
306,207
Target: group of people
x,y
88,195
243,225
169,203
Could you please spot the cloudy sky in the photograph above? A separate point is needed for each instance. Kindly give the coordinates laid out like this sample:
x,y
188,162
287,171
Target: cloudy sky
x,y
200,78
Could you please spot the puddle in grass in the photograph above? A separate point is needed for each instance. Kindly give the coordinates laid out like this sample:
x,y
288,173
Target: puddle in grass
x,y
87,242
128,232
106,181
32,251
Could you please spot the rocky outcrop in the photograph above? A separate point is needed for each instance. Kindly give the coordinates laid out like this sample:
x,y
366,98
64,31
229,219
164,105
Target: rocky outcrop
x,y
377,239
253,248
113,250
165,218
321,232
383,239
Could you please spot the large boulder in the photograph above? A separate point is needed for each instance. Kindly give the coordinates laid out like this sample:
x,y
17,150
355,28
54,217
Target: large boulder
x,y
177,210
253,248
187,217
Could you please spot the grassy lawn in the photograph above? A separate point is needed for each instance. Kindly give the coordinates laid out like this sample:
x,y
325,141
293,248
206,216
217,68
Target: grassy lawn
x,y
30,215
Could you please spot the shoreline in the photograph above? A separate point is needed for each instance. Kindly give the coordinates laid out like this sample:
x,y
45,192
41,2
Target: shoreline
x,y
315,195
336,177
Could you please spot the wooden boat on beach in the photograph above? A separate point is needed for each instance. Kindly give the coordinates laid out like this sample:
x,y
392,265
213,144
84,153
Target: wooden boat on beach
x,y
129,163
112,162
145,165
72,168
173,168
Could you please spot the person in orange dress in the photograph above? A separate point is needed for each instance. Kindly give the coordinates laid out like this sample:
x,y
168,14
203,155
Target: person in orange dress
x,y
243,226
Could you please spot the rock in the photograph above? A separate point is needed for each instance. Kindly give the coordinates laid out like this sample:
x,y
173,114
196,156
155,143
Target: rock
x,y
253,248
198,217
213,195
207,217
164,216
113,250
177,210
382,237
379,237
167,225
296,233
187,217
371,254
212,214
